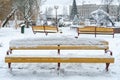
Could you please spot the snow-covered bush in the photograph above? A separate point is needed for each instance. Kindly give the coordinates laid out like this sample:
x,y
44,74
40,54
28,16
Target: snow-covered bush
x,y
76,20
61,22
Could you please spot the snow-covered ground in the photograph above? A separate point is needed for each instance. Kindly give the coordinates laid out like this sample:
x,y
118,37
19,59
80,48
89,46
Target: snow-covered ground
x,y
47,71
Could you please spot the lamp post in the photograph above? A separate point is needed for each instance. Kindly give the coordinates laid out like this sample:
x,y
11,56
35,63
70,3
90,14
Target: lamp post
x,y
56,7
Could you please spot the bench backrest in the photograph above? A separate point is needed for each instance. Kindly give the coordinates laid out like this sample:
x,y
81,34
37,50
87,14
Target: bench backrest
x,y
45,28
87,29
95,29
103,29
63,43
37,28
63,47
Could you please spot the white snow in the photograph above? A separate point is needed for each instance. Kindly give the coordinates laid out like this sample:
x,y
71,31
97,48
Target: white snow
x,y
61,40
47,71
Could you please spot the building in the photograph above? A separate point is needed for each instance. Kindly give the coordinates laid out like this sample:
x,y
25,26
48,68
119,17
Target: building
x,y
85,10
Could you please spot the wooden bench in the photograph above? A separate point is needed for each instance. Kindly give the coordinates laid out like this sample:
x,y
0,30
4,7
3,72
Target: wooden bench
x,y
61,59
44,29
95,30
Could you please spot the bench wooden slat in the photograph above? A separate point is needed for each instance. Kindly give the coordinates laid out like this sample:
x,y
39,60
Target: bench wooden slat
x,y
63,47
43,29
59,59
50,28
87,29
104,29
38,28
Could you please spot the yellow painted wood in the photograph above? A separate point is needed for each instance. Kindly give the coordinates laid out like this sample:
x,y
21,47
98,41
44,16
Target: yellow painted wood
x,y
92,29
84,47
64,47
58,59
87,29
103,29
90,26
51,29
38,28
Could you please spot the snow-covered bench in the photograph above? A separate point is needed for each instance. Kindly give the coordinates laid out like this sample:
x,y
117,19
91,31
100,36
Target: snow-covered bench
x,y
59,44
44,29
95,30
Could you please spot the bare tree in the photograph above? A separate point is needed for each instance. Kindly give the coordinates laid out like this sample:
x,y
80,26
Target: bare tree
x,y
118,11
107,4
28,8
5,8
38,5
25,7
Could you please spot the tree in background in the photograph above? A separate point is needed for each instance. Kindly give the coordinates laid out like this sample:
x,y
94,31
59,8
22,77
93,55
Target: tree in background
x,y
118,11
76,20
49,12
73,10
107,3
37,8
65,12
7,11
5,8
27,8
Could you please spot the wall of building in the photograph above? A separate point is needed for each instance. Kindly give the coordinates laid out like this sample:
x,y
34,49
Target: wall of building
x,y
85,10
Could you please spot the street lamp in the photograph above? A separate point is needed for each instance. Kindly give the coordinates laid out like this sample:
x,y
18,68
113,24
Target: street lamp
x,y
56,7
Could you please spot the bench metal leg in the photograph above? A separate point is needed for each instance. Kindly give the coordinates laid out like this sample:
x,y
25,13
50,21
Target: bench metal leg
x,y
9,65
46,33
107,66
58,68
34,32
113,35
95,35
9,52
110,52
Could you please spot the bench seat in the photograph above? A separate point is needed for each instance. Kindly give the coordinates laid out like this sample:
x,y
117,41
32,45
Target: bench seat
x,y
59,59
